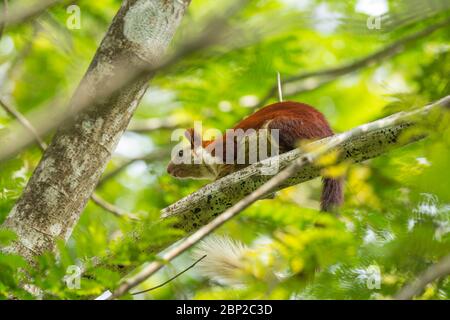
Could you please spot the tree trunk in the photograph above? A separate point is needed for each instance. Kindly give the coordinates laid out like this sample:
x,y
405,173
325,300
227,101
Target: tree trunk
x,y
56,194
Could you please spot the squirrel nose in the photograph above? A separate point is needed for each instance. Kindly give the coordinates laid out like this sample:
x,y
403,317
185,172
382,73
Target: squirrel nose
x,y
170,169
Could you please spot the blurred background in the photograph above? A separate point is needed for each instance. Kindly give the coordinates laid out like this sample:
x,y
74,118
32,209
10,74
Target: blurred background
x,y
396,217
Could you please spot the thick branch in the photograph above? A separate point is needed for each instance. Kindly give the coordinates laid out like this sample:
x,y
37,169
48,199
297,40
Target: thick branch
x,y
355,144
71,166
207,229
365,142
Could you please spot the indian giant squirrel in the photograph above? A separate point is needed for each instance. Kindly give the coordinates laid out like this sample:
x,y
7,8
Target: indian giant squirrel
x,y
295,122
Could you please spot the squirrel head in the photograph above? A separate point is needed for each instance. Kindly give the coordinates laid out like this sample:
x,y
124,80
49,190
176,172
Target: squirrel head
x,y
192,161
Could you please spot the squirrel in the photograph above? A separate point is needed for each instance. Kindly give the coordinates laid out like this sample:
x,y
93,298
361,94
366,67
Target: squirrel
x,y
293,121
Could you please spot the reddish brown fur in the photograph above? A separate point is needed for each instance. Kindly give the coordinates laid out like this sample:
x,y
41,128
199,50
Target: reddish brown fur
x,y
296,121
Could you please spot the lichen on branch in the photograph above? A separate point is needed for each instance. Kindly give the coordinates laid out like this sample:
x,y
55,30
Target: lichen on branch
x,y
359,144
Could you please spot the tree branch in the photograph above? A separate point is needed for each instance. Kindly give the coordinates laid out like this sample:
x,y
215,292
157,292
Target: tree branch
x,y
18,14
306,81
359,144
43,146
146,61
61,185
118,212
149,125
171,278
234,193
24,122
434,272
156,155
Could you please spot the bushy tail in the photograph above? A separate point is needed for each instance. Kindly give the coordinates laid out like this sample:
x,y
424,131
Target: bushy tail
x,y
224,258
227,261
332,194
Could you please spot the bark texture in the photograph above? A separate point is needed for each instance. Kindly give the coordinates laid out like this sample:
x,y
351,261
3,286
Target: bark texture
x,y
196,210
357,145
58,190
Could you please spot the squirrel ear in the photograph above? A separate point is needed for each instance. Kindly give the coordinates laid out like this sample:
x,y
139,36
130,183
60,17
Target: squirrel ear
x,y
193,137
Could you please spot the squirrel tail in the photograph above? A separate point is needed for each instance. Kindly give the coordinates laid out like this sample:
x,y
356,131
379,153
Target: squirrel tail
x,y
332,194
224,258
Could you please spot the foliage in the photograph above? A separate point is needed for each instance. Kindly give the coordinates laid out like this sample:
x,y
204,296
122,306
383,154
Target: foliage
x,y
396,217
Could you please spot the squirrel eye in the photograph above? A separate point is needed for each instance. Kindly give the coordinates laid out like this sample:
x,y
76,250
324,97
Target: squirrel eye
x,y
180,153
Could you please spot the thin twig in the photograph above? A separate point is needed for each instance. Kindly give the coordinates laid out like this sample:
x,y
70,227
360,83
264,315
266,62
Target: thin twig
x,y
153,156
321,148
207,229
434,272
371,140
172,278
118,212
153,124
217,31
19,14
24,122
43,146
330,74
